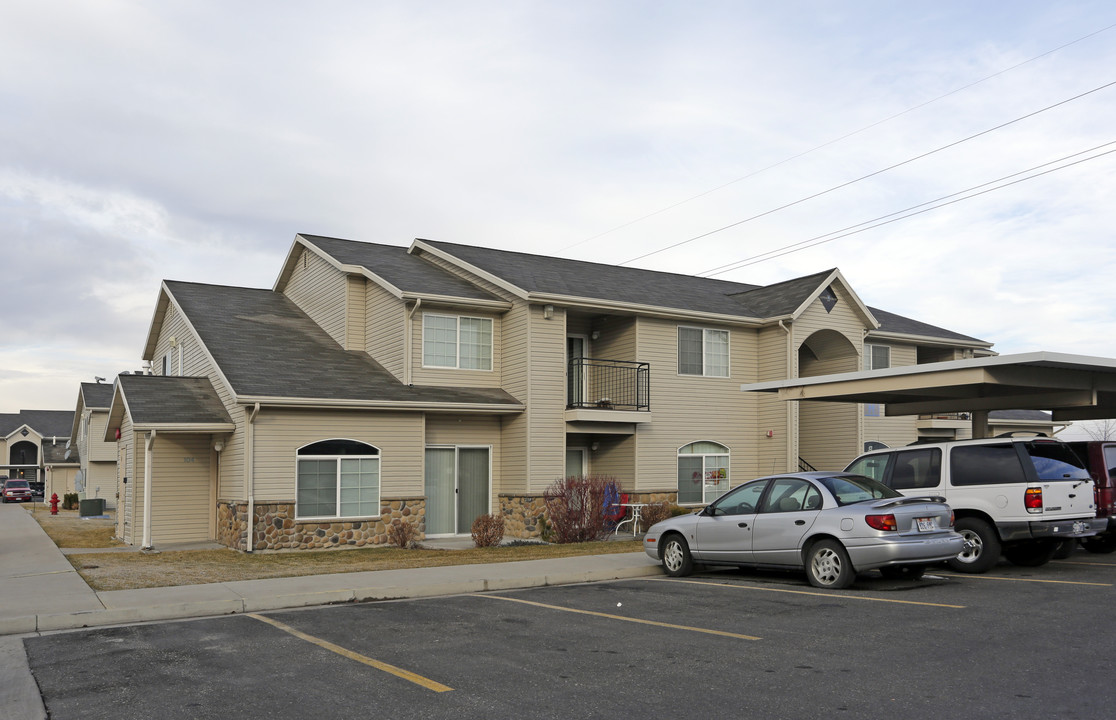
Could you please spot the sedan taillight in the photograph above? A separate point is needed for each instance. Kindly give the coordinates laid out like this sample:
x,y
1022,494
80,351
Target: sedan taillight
x,y
881,522
1032,500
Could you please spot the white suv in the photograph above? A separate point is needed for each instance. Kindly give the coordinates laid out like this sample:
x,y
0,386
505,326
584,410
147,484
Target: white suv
x,y
1018,496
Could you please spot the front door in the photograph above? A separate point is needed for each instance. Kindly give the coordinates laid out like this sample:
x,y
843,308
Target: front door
x,y
457,488
576,347
575,462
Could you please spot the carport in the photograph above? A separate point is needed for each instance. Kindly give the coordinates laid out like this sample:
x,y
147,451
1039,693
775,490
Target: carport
x,y
1072,387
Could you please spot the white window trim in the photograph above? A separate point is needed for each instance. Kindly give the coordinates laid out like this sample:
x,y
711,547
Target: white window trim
x,y
728,466
868,348
457,353
338,517
704,374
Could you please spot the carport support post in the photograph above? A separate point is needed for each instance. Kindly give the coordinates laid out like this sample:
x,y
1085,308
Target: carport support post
x,y
147,456
980,423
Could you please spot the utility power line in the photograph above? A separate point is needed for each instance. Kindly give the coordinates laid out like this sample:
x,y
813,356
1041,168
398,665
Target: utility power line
x,y
835,140
911,211
869,175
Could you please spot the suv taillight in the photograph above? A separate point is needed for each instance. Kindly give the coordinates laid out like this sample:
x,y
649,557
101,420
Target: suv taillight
x,y
881,522
1032,500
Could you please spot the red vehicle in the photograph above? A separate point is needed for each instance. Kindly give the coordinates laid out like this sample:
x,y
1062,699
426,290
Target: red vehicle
x,y
1100,459
16,491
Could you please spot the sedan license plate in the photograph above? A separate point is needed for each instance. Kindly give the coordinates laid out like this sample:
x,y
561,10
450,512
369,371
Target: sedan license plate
x,y
926,524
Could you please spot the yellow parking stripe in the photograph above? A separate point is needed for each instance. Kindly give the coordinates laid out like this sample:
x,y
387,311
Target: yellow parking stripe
x,y
818,594
398,672
1077,562
621,617
1036,580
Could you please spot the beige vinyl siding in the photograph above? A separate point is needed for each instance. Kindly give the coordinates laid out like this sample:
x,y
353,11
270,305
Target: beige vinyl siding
x,y
615,458
773,414
96,448
453,376
131,478
892,431
356,313
182,503
320,290
616,341
475,430
689,408
100,481
546,460
514,350
280,433
387,321
828,433
196,363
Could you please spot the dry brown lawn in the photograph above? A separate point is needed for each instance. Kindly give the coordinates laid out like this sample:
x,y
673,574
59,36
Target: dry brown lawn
x,y
129,570
69,530
125,570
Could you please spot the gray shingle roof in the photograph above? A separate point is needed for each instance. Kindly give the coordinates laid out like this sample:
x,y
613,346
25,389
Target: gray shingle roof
x,y
782,298
578,278
890,322
55,453
158,400
48,423
96,395
266,346
395,265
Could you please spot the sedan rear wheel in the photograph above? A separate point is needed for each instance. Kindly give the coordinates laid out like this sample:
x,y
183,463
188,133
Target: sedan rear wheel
x,y
677,561
828,565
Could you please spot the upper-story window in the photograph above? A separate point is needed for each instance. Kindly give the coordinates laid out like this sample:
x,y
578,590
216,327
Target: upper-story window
x,y
877,357
703,351
456,341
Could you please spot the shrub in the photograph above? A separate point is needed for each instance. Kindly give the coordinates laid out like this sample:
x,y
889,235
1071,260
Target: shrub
x,y
488,530
402,534
70,501
575,507
653,513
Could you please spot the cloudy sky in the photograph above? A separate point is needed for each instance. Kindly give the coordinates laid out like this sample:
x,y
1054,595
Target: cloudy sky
x,y
192,140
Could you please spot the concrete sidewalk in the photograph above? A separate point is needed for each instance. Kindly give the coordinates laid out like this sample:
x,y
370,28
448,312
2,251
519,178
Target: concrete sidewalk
x,y
40,591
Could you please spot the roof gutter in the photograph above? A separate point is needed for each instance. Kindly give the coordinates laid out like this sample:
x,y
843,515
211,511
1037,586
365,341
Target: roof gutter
x,y
324,404
408,331
647,310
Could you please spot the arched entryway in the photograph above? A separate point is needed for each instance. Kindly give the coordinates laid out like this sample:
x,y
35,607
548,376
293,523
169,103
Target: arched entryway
x,y
828,433
23,459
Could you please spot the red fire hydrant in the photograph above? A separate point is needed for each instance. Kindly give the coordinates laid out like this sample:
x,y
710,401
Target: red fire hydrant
x,y
54,503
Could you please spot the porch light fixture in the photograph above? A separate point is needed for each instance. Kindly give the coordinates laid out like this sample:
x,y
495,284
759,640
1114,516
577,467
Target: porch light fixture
x,y
548,311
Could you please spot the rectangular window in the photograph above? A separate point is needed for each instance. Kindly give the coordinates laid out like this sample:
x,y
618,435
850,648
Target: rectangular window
x,y
877,357
449,341
338,487
702,351
873,410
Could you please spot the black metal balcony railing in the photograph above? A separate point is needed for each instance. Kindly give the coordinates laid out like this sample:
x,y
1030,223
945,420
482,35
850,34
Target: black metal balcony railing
x,y
608,384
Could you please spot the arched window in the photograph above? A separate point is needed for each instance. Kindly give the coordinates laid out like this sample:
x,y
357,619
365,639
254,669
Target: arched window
x,y
338,479
703,472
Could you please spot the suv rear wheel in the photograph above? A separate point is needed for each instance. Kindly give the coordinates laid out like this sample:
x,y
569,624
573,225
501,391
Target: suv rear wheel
x,y
982,546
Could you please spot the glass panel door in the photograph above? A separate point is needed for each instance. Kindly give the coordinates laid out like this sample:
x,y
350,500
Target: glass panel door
x,y
440,491
575,461
472,482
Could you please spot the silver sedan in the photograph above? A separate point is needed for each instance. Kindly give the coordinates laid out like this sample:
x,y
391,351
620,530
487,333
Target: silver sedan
x,y
832,524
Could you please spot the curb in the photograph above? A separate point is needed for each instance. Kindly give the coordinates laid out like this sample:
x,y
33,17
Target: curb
x,y
28,624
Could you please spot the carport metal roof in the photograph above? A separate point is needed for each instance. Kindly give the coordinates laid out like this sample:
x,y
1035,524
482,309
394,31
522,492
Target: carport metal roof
x,y
1072,387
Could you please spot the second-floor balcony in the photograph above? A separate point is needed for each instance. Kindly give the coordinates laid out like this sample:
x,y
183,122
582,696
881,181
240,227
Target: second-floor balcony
x,y
617,386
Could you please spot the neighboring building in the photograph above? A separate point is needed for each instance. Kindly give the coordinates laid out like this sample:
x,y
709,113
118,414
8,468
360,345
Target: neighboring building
x,y
439,382
96,454
33,446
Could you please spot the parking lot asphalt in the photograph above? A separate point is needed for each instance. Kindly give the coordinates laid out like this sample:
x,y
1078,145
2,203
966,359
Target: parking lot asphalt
x,y
1013,643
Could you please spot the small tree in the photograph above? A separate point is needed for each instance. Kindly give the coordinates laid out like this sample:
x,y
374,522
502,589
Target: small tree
x,y
575,507
1100,429
402,534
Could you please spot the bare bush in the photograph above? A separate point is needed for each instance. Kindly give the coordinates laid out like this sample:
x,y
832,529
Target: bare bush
x,y
653,513
402,534
575,507
488,530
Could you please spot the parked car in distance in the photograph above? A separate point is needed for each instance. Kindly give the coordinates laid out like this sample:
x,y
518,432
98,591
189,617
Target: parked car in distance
x,y
833,525
15,490
1016,496
1100,460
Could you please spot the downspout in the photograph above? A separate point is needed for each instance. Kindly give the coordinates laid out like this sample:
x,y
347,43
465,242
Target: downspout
x,y
407,335
148,453
792,408
249,479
